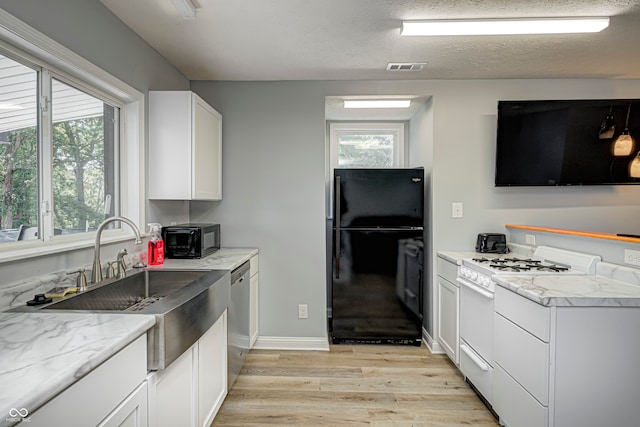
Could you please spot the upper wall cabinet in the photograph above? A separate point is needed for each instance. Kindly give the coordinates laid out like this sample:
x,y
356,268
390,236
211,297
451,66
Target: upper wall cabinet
x,y
185,147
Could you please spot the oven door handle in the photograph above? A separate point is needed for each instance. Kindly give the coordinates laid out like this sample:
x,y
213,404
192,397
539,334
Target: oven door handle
x,y
474,358
485,293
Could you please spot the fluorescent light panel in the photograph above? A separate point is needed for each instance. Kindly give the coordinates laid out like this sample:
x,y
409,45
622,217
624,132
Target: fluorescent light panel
x,y
464,27
185,8
377,103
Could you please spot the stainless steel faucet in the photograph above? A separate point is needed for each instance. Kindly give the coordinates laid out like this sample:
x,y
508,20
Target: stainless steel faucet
x,y
96,272
121,266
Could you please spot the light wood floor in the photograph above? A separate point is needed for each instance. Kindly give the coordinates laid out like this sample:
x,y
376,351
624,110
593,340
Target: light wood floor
x,y
352,385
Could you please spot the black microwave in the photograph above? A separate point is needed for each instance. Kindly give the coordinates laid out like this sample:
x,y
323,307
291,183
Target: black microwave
x,y
189,241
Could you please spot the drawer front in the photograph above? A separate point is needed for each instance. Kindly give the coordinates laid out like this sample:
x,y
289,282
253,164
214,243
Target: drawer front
x,y
514,405
523,312
477,370
523,356
448,270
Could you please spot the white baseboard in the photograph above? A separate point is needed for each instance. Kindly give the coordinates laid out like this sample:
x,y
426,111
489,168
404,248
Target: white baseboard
x,y
433,345
292,343
322,344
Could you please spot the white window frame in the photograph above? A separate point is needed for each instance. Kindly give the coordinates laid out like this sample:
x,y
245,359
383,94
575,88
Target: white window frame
x,y
31,46
340,128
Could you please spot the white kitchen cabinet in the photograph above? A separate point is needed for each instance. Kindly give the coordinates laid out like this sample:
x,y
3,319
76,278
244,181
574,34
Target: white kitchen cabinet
x,y
212,371
448,309
185,147
254,302
112,394
130,413
565,365
190,391
172,394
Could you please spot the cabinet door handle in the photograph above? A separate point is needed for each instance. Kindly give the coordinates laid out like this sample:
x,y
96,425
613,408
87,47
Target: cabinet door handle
x,y
474,358
336,218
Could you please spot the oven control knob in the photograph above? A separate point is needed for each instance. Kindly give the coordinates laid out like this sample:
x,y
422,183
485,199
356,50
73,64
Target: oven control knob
x,y
473,275
484,281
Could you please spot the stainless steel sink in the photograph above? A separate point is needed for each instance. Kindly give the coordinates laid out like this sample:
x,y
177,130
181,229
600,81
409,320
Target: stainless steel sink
x,y
186,303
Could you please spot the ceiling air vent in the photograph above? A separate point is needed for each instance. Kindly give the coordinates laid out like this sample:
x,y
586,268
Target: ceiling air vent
x,y
405,66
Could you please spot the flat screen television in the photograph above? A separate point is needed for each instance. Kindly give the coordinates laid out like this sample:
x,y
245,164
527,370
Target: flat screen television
x,y
564,142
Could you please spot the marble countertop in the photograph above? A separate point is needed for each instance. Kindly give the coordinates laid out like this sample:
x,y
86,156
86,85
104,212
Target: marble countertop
x,y
41,354
456,257
612,286
223,259
573,291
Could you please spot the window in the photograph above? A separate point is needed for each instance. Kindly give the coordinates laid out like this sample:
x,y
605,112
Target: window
x,y
68,171
367,145
71,147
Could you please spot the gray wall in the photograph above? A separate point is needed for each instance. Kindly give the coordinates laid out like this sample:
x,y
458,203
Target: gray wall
x,y
92,31
274,179
89,29
421,155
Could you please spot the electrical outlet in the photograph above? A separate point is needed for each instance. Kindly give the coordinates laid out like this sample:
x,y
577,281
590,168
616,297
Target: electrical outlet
x,y
632,257
530,239
456,210
303,311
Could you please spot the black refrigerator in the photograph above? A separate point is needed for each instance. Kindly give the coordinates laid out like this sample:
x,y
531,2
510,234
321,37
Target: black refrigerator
x,y
376,292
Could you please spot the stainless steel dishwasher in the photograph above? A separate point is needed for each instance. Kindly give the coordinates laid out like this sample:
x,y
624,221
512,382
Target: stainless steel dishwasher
x,y
238,322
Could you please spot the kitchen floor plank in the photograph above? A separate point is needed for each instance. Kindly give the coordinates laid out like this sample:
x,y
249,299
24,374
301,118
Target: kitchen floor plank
x,y
350,386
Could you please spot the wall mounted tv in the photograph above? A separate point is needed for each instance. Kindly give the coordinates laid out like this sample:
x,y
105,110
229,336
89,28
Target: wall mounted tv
x,y
565,142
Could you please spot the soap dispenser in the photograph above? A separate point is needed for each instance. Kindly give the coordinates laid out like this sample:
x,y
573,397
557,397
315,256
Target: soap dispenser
x,y
156,245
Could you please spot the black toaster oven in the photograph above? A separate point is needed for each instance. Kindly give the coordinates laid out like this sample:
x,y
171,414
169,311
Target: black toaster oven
x,y
491,243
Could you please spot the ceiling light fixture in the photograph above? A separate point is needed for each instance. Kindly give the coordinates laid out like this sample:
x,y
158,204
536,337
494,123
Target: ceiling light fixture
x,y
186,8
377,103
468,27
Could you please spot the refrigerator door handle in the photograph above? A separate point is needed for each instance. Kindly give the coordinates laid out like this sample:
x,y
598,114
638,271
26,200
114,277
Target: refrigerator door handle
x,y
336,218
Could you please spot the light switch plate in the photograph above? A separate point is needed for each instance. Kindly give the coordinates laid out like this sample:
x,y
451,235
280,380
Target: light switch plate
x,y
456,210
303,311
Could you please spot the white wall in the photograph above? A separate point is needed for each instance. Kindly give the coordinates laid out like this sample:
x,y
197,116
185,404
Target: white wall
x,y
274,158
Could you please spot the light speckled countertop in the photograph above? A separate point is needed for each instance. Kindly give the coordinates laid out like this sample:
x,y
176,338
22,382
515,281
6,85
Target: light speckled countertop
x,y
612,286
456,257
223,259
41,354
573,291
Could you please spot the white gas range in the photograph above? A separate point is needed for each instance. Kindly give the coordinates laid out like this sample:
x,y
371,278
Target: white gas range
x,y
476,301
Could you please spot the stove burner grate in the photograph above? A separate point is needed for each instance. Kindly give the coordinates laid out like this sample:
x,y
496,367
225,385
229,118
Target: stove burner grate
x,y
520,264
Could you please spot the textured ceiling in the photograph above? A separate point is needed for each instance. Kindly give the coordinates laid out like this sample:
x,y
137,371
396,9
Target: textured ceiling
x,y
355,39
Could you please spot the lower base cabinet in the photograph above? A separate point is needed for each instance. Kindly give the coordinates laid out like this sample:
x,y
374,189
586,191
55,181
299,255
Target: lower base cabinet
x,y
254,301
130,413
113,394
190,391
448,330
211,365
565,365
